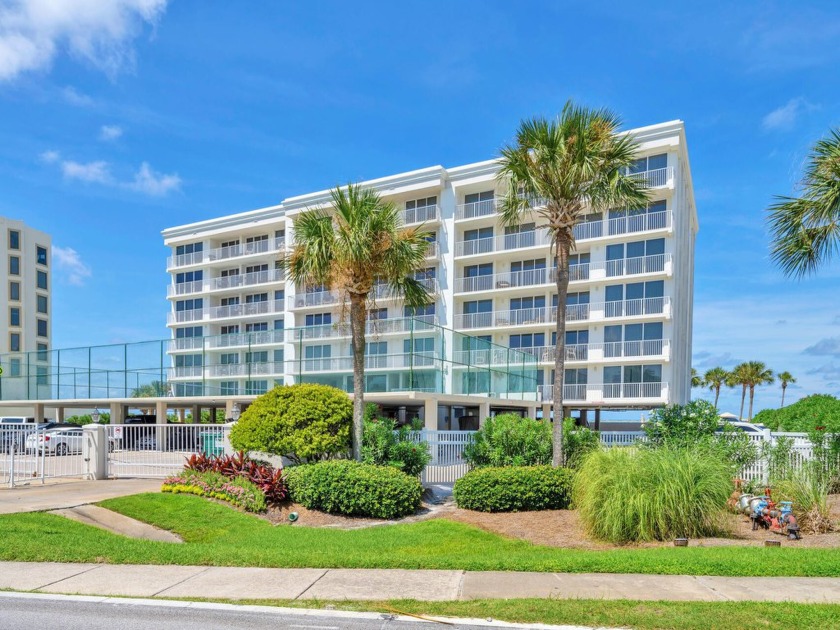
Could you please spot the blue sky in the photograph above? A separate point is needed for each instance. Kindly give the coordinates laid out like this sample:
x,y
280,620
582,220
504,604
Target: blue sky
x,y
119,119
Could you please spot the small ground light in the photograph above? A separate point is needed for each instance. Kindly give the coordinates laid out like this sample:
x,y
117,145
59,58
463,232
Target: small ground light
x,y
772,543
681,542
293,516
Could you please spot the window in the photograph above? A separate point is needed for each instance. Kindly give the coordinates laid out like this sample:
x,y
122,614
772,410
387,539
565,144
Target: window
x,y
229,301
14,291
253,388
279,295
278,356
317,357
42,280
14,316
279,324
254,298
424,202
14,367
419,311
230,388
525,272
42,327
256,239
575,377
14,239
42,352
227,273
280,235
318,319
41,255
188,360
14,342
429,273
233,329
229,358
189,305
421,344
256,268
377,314
41,303
518,304
577,305
523,235
475,235
190,248
529,340
576,345
188,389
477,198
256,327
191,331
527,310
650,163
41,379
376,353
230,244
189,276
478,277
14,266
478,306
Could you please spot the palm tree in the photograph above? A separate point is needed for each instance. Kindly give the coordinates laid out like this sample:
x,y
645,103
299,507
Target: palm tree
x,y
714,379
738,376
696,379
806,229
560,170
785,378
150,390
755,373
358,243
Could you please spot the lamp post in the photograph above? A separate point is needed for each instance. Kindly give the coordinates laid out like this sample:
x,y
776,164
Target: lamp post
x,y
235,411
94,416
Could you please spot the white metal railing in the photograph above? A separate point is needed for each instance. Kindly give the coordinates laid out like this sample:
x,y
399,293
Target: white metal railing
x,y
432,250
250,368
185,288
263,337
161,450
192,371
383,291
644,348
31,454
656,178
313,298
372,362
494,356
447,450
621,438
520,317
247,279
658,348
596,392
635,266
635,308
506,280
373,328
179,317
186,343
642,222
532,238
421,214
225,253
475,209
185,260
245,310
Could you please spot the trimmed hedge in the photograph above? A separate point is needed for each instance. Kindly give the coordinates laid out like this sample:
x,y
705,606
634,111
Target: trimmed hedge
x,y
354,489
515,489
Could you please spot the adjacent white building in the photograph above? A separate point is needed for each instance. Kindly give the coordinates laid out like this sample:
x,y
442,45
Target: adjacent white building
x,y
238,327
25,317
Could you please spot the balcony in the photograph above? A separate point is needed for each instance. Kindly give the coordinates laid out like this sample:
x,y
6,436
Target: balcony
x,y
598,393
372,362
331,298
433,250
636,308
383,291
373,328
226,253
628,224
591,352
192,371
247,279
657,178
246,339
245,310
423,214
185,288
504,280
186,343
245,369
475,209
181,317
494,356
505,242
520,317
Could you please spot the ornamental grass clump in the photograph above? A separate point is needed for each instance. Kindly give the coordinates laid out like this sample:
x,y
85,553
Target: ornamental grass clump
x,y
640,494
808,491
237,491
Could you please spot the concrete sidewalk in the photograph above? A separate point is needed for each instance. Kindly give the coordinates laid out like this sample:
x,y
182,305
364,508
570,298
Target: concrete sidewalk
x,y
382,584
67,494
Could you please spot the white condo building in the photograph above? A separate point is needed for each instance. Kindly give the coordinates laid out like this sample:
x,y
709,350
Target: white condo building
x,y
25,318
238,327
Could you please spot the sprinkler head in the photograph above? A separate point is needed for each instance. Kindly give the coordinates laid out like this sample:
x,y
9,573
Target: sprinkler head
x,y
293,516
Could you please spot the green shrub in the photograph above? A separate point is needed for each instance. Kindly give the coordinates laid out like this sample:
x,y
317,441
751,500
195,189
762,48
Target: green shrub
x,y
510,440
640,494
809,493
514,489
238,491
354,489
301,422
818,410
578,442
385,445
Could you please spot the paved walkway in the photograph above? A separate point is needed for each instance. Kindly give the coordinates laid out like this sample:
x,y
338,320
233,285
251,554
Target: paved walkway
x,y
68,494
382,584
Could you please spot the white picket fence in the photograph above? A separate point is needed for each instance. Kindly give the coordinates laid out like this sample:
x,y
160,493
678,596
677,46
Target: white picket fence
x,y
31,455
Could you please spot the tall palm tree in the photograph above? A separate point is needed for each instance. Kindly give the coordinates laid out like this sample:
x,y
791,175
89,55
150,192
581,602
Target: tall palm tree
x,y
785,378
806,229
755,373
738,376
696,379
349,248
714,379
560,170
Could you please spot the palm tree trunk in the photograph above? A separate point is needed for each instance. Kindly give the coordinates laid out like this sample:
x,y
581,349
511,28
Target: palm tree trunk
x,y
563,247
783,396
743,396
752,395
717,395
357,330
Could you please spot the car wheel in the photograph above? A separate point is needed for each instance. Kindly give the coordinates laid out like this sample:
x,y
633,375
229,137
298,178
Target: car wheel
x,y
61,449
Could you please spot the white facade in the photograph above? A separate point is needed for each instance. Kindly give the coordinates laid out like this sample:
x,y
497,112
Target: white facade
x,y
629,320
26,314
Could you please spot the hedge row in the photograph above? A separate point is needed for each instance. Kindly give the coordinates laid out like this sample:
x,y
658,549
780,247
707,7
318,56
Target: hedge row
x,y
515,489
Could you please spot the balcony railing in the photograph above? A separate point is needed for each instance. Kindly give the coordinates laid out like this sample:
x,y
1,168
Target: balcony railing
x,y
331,298
505,280
596,392
635,308
635,266
193,371
248,279
494,356
657,178
383,291
185,288
226,253
475,209
245,339
519,317
373,328
245,310
186,343
505,242
180,317
652,348
421,214
246,369
433,250
626,224
372,362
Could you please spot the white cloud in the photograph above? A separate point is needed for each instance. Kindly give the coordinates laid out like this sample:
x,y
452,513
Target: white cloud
x,y
91,172
50,157
784,117
110,132
70,265
32,32
152,183
74,97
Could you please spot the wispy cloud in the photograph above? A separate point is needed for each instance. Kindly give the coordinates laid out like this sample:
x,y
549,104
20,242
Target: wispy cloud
x,y
108,133
70,265
97,172
74,97
825,347
784,117
156,184
33,32
50,157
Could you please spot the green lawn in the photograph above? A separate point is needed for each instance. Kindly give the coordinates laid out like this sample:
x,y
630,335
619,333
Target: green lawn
x,y
599,613
218,535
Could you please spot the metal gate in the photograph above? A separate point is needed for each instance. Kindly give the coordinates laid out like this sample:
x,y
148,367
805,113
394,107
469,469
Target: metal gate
x,y
447,451
29,454
160,450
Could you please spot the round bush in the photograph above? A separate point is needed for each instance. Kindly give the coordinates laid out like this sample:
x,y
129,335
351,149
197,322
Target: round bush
x,y
302,422
510,440
514,489
354,489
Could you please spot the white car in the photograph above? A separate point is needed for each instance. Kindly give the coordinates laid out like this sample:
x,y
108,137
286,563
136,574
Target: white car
x,y
59,441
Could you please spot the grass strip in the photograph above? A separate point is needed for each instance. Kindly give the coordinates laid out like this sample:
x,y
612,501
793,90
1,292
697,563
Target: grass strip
x,y
217,535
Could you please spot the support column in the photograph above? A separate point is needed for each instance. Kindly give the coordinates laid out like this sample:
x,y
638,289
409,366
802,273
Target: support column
x,y
160,412
59,414
38,412
229,410
161,422
597,418
546,412
531,411
117,413
196,414
181,413
483,413
584,417
430,414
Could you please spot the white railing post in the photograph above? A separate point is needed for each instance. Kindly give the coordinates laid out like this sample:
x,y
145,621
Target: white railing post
x,y
95,450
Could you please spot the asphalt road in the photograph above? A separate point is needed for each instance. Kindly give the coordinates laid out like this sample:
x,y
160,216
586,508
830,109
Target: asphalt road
x,y
47,613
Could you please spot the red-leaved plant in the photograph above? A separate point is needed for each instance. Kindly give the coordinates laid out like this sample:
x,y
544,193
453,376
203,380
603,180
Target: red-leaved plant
x,y
267,478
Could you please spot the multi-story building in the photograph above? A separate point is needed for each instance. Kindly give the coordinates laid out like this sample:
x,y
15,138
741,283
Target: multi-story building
x,y
25,318
239,327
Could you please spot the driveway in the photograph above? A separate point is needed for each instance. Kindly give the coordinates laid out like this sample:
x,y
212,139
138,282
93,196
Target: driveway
x,y
66,494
